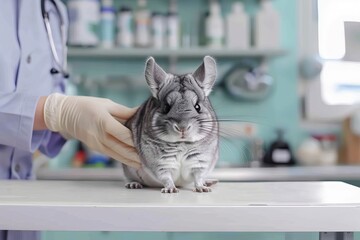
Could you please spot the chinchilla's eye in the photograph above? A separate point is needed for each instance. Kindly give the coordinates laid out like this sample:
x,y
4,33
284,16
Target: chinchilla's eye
x,y
197,108
166,108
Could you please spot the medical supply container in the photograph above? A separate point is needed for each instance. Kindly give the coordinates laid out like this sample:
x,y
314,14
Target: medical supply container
x,y
107,3
125,34
279,152
267,26
158,30
173,38
214,26
238,28
142,19
107,26
84,20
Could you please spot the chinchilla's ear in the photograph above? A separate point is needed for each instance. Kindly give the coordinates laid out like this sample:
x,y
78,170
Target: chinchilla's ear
x,y
205,75
155,76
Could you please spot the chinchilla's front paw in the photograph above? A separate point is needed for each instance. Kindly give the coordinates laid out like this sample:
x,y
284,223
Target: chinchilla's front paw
x,y
210,182
169,190
201,189
133,185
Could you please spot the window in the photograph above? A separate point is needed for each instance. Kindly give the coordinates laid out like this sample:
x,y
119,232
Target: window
x,y
331,30
340,79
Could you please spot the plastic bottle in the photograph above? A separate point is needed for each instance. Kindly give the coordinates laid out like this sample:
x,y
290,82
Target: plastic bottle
x,y
237,28
84,20
158,30
107,26
214,26
267,27
107,3
142,19
125,36
279,152
173,30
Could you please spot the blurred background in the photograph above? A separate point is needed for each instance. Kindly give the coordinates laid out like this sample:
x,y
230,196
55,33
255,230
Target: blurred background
x,y
286,95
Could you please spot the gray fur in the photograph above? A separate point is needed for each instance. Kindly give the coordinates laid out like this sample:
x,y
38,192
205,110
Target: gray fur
x,y
177,144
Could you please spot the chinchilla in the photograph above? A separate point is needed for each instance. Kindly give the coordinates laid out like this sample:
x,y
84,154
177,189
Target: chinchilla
x,y
175,131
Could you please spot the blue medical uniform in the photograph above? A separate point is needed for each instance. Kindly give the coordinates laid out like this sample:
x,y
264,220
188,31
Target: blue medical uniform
x,y
25,63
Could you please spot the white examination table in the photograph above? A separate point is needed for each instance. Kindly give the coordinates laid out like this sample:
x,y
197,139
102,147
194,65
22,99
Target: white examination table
x,y
331,208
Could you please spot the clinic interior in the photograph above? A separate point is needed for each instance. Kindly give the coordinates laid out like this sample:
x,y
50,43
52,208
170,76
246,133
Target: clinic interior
x,y
287,86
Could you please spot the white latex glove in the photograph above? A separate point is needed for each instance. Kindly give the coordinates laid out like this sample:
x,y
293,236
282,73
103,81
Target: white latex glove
x,y
94,121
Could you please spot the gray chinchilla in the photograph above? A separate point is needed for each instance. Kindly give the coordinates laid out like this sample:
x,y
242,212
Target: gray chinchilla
x,y
175,131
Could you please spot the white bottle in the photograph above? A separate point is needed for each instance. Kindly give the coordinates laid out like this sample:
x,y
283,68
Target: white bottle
x,y
142,19
107,3
267,27
84,18
237,28
158,30
107,26
214,26
125,36
173,30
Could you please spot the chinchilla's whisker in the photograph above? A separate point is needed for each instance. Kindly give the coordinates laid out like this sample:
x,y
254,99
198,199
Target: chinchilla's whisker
x,y
233,120
209,132
241,116
237,121
157,127
222,120
234,133
227,143
161,133
230,145
246,150
212,133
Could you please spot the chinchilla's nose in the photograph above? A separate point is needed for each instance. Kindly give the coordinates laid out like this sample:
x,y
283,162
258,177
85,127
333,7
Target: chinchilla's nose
x,y
181,127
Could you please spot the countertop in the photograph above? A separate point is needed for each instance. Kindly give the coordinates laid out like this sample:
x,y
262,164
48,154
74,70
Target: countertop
x,y
298,173
108,206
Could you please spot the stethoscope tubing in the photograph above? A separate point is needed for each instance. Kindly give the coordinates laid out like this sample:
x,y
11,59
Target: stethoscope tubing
x,y
62,66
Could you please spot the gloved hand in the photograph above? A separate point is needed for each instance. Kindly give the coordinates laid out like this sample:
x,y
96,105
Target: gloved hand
x,y
94,121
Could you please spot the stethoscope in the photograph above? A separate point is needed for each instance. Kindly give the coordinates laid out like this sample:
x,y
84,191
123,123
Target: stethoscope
x,y
61,67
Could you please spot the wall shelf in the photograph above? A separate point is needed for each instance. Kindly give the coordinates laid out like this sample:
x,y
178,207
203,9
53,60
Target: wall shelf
x,y
98,53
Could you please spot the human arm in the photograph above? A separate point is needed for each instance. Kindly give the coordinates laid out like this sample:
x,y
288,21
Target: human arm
x,y
39,122
97,122
16,121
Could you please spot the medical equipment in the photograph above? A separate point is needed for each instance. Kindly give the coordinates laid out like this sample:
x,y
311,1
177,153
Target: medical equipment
x,y
158,30
248,81
107,26
173,30
267,26
142,30
84,22
237,28
62,68
214,26
125,36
